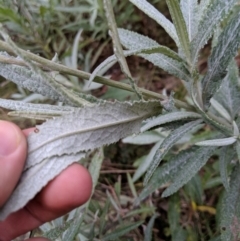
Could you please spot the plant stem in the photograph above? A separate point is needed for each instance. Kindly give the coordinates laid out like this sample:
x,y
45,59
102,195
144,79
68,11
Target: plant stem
x,y
84,75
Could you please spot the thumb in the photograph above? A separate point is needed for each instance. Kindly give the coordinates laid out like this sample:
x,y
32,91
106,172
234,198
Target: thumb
x,y
13,151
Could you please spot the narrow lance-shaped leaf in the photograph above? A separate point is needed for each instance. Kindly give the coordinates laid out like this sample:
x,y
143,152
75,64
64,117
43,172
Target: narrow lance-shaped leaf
x,y
229,93
88,128
174,209
153,13
218,142
117,48
34,179
167,172
220,58
167,144
224,159
230,214
180,25
149,228
110,61
216,11
190,169
28,108
135,41
191,16
169,117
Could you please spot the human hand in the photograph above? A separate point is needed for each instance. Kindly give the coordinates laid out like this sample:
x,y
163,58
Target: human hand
x,y
67,191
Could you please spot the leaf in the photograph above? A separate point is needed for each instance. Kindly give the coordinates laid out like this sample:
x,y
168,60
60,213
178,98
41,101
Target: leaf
x,y
215,12
153,13
110,61
149,228
167,144
34,179
145,138
190,13
190,169
180,25
224,158
26,78
221,110
146,162
28,108
167,171
230,214
169,117
135,41
117,48
222,54
174,209
88,128
217,142
229,93
123,229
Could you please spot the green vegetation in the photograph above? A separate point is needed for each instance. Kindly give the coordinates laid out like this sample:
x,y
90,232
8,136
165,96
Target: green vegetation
x,y
184,184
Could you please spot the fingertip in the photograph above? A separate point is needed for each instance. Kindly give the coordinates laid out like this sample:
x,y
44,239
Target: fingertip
x,y
71,189
13,151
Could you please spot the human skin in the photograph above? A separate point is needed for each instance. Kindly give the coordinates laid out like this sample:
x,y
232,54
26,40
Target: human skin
x,y
69,190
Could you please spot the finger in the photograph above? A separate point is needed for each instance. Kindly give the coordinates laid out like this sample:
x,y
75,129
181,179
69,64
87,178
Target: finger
x,y
67,191
13,149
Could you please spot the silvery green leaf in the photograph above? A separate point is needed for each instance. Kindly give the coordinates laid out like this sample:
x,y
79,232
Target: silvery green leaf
x,y
35,108
168,171
217,142
88,128
229,93
146,162
224,158
26,78
237,147
174,209
180,25
169,117
190,13
221,110
167,144
222,54
149,229
34,179
135,41
215,12
153,13
110,61
230,213
145,138
199,159
117,47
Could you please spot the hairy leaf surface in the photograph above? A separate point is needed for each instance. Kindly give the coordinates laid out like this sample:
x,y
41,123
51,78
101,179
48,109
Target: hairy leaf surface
x,y
222,54
167,144
230,214
190,13
167,171
153,13
215,12
135,41
88,128
179,23
34,179
229,93
169,117
190,169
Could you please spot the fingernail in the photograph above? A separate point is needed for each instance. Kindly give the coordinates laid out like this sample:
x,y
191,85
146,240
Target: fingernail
x,y
9,138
